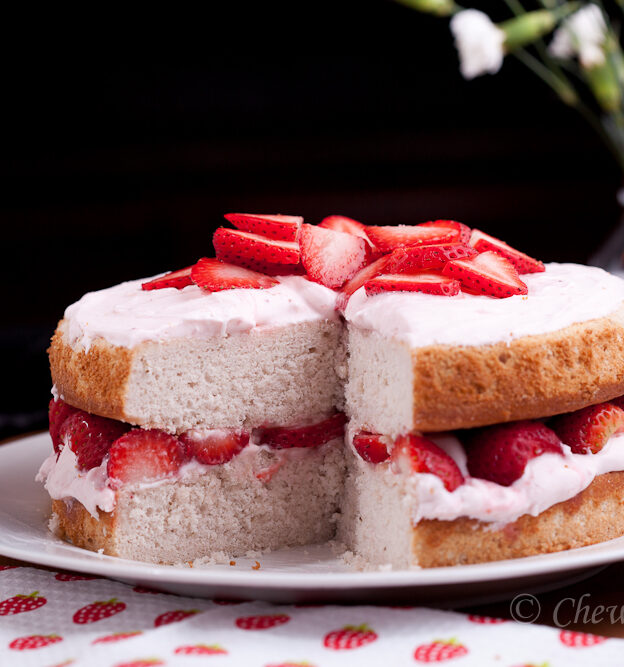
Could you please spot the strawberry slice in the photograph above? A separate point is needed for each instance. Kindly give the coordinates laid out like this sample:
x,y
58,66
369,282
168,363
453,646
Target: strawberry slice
x,y
329,257
587,430
144,456
500,453
482,242
252,250
215,446
304,436
425,257
280,227
386,239
428,283
372,447
421,455
90,437
462,231
58,412
213,275
177,279
361,278
340,223
488,273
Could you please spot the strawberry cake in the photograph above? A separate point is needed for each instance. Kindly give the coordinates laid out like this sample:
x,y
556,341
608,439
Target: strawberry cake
x,y
425,394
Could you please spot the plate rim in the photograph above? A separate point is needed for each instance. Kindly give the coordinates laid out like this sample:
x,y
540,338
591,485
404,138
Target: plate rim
x,y
111,566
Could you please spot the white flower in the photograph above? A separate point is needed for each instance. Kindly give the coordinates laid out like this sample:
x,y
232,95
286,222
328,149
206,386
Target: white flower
x,y
582,34
479,42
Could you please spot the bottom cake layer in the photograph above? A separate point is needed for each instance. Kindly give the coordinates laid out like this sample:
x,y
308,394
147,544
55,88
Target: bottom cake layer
x,y
375,524
256,502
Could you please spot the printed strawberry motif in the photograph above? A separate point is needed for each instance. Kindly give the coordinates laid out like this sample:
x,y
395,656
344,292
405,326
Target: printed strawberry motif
x,y
485,620
524,264
425,282
215,446
214,275
143,589
349,637
331,258
175,279
416,454
142,662
144,456
97,611
277,226
588,430
314,435
117,636
372,447
18,604
439,650
90,437
500,453
201,649
34,641
174,616
261,622
579,639
68,576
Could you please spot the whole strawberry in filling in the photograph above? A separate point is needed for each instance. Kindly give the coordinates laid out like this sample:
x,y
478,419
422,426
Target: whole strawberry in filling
x,y
588,430
144,456
500,453
214,447
58,412
90,437
422,455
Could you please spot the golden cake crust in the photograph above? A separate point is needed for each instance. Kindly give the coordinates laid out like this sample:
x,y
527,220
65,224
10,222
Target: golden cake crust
x,y
593,515
532,377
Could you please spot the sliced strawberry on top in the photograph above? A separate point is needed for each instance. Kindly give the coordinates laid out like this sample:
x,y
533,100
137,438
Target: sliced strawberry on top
x,y
214,447
144,456
386,239
361,278
524,264
329,257
372,447
587,430
277,226
213,275
500,453
340,223
177,279
252,250
304,436
421,455
58,412
425,257
427,283
488,273
462,231
90,437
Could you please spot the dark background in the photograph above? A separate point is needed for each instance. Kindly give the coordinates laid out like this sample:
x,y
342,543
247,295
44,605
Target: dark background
x,y
116,173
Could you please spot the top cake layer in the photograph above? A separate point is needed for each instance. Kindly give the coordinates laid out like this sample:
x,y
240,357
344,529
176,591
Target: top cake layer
x,y
125,315
563,295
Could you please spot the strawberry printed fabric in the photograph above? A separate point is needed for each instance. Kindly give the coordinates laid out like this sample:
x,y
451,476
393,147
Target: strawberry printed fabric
x,y
50,619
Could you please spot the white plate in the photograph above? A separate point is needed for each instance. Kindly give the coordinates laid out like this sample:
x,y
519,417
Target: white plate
x,y
310,574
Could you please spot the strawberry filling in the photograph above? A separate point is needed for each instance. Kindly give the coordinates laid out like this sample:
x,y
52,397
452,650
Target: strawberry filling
x,y
135,455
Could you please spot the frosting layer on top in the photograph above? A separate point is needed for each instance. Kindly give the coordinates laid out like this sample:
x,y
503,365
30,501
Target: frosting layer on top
x,y
126,315
563,295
